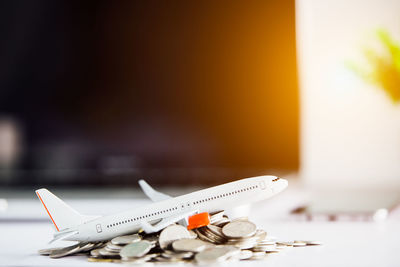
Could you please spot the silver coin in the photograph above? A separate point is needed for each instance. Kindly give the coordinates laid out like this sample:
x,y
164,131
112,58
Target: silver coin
x,y
245,254
193,235
252,239
239,229
152,255
309,242
125,239
284,243
216,230
153,239
243,218
177,255
106,253
172,233
47,251
204,237
191,245
264,247
87,247
95,252
267,248
215,254
111,247
222,222
112,250
272,251
139,260
99,245
258,256
208,236
245,243
135,250
298,243
266,242
212,233
261,234
248,245
65,251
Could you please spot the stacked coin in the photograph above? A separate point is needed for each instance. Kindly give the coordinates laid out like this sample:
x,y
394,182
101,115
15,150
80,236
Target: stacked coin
x,y
211,233
222,240
219,219
216,254
242,234
70,250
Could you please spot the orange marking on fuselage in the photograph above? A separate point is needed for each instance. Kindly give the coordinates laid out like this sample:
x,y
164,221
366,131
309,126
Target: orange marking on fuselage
x,y
47,211
198,220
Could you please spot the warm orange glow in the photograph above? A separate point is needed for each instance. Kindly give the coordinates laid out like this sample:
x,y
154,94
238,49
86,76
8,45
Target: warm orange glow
x,y
228,69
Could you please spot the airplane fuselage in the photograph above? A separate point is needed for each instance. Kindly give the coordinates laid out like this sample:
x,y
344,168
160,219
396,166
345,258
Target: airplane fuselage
x,y
222,197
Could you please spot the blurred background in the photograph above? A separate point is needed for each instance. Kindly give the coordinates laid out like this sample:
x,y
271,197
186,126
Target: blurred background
x,y
103,93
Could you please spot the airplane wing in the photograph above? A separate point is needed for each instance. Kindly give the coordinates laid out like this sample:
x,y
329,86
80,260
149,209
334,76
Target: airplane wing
x,y
148,228
154,195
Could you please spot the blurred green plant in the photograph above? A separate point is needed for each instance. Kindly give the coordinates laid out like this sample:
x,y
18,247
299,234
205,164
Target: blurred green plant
x,y
383,69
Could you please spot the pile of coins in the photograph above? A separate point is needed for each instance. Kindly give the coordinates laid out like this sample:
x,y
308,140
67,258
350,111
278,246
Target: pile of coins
x,y
222,240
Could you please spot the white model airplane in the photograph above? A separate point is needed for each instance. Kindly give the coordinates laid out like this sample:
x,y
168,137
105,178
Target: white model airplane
x,y
165,210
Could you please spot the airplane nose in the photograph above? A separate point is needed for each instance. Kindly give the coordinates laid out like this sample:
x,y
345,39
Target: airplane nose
x,y
279,185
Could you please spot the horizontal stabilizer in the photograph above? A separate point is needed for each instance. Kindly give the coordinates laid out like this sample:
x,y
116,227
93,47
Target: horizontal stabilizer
x,y
63,235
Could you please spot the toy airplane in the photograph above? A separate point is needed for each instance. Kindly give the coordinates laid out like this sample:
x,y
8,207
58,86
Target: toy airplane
x,y
190,209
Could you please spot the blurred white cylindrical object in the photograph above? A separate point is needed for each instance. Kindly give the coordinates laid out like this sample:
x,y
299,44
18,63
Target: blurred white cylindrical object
x,y
3,205
10,143
350,129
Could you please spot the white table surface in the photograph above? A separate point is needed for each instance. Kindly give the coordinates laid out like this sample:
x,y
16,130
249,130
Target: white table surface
x,y
345,243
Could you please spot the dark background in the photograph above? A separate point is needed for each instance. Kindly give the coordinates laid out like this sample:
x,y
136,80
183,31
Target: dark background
x,y
178,92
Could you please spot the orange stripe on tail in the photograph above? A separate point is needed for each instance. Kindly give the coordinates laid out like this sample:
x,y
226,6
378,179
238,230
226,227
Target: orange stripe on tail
x,y
47,211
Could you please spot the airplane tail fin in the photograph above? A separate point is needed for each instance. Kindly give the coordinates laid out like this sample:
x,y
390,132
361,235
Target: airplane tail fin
x,y
62,215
